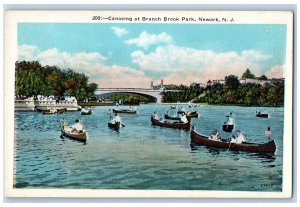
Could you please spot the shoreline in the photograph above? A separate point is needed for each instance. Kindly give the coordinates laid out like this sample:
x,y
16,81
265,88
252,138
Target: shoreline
x,y
171,103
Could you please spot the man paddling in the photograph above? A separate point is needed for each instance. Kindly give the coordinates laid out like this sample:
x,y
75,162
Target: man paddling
x,y
268,133
77,126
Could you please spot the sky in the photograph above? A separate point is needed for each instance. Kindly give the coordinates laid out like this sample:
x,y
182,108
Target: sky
x,y
133,55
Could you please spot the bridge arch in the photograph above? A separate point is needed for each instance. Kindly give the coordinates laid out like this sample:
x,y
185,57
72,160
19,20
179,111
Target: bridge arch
x,y
153,95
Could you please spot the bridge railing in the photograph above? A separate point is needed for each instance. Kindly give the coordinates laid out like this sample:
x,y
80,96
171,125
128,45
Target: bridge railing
x,y
127,89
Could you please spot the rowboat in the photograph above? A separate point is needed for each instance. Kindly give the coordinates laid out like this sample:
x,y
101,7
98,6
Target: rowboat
x,y
73,134
262,115
175,125
86,111
115,125
61,111
49,112
269,147
125,111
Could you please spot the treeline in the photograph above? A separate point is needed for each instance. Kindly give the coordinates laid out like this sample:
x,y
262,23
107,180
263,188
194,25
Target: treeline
x,y
32,79
232,92
271,93
184,93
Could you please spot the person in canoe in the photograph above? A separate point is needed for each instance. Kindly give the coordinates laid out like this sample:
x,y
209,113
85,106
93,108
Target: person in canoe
x,y
241,137
116,122
154,115
215,136
268,133
77,126
116,119
230,120
183,119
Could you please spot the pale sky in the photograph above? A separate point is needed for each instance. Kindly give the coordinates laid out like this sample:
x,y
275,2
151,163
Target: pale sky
x,y
132,55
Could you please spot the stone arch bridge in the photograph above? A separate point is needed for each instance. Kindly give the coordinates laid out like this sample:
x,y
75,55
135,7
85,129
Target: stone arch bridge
x,y
154,95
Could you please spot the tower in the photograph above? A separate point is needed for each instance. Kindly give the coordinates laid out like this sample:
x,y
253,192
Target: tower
x,y
151,86
161,82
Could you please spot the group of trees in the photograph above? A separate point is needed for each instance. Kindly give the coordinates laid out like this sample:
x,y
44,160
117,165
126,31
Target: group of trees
x,y
232,92
183,93
32,79
270,93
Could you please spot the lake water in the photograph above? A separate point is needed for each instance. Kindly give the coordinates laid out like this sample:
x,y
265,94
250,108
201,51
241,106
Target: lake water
x,y
142,156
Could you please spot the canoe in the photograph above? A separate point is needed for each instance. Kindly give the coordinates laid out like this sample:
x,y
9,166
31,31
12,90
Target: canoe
x,y
49,112
116,125
175,125
192,114
80,136
125,111
269,147
262,115
228,127
61,111
86,112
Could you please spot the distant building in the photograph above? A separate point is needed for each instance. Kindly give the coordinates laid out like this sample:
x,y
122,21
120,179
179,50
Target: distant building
x,y
219,81
262,82
256,81
157,87
248,80
209,82
197,84
161,86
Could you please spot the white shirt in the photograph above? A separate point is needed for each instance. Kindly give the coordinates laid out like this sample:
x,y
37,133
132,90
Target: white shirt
x,y
184,119
117,119
215,137
230,121
241,138
155,116
77,126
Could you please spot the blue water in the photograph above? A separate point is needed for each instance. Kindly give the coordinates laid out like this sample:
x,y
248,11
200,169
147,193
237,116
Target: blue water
x,y
142,156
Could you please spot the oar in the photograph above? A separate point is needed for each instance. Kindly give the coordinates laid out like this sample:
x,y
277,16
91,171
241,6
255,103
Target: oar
x,y
122,125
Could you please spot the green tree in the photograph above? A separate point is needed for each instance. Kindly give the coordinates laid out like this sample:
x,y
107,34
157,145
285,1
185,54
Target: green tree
x,y
263,77
232,82
247,74
32,79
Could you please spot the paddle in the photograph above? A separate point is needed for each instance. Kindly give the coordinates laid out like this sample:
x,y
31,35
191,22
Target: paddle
x,y
122,125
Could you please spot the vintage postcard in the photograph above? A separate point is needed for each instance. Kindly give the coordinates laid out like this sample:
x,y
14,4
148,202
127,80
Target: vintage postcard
x,y
190,104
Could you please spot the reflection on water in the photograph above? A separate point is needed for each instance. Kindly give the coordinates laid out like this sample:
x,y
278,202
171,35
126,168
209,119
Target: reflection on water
x,y
142,156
